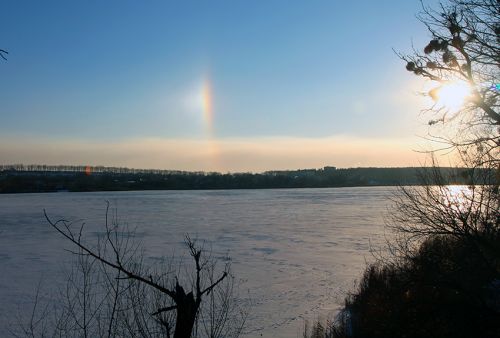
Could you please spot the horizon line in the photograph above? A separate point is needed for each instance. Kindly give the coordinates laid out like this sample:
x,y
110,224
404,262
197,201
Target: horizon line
x,y
89,169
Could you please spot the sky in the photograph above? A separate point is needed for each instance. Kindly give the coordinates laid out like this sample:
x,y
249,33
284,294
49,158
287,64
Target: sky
x,y
210,85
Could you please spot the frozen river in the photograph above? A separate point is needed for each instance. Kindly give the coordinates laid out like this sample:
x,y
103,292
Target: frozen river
x,y
297,251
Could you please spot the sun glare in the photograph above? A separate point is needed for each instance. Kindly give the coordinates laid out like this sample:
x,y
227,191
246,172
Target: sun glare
x,y
452,95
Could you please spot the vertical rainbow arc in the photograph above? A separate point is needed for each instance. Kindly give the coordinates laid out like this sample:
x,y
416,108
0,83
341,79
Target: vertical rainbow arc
x,y
207,105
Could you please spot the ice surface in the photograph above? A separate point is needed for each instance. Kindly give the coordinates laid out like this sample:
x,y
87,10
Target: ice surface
x,y
298,251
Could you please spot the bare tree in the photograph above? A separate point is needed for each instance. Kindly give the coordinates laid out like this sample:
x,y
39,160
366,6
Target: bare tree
x,y
112,292
435,208
3,54
441,275
464,48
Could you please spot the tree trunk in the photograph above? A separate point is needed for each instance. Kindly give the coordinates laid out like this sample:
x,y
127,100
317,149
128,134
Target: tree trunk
x,y
187,308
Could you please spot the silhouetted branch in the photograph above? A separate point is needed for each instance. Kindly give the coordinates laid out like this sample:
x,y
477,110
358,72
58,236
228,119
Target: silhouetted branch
x,y
110,254
118,265
464,48
210,288
164,309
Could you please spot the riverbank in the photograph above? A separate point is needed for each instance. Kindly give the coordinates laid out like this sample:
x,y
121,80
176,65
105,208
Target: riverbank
x,y
87,179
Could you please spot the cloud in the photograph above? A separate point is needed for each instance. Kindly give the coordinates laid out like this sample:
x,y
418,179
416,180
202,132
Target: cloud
x,y
229,154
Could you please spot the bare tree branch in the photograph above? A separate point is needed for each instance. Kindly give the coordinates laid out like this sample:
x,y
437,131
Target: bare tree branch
x,y
115,254
3,54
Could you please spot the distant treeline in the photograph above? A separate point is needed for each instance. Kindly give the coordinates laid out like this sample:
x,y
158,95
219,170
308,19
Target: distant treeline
x,y
80,178
84,169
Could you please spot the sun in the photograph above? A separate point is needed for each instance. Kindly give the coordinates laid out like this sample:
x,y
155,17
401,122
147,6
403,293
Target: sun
x,y
451,95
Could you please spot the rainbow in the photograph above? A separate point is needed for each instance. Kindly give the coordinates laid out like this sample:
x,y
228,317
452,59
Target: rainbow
x,y
207,104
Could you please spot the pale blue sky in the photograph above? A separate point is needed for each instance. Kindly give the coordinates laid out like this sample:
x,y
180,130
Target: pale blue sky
x,y
115,72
